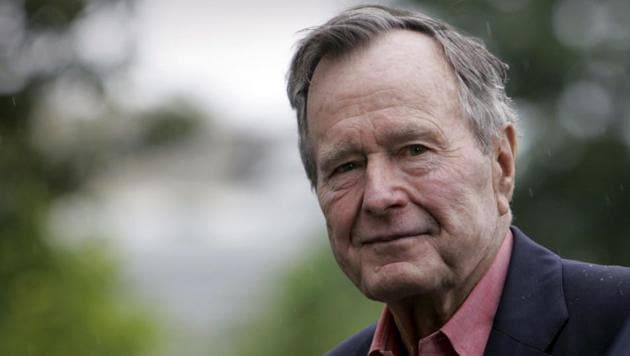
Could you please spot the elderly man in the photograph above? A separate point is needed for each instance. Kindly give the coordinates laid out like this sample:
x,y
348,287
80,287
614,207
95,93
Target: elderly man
x,y
409,141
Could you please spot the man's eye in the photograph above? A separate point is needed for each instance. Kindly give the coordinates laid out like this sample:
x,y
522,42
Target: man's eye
x,y
416,149
346,167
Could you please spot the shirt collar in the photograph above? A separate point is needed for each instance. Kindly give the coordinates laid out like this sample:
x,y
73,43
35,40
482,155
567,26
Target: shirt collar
x,y
386,340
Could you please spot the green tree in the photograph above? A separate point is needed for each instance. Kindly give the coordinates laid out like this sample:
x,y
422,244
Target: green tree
x,y
55,300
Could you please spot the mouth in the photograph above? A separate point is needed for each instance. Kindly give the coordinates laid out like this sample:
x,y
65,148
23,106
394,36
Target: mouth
x,y
391,238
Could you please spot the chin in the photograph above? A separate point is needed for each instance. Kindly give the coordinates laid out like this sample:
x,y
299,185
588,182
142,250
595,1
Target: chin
x,y
395,282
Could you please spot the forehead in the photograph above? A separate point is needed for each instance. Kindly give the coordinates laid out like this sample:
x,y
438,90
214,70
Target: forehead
x,y
401,67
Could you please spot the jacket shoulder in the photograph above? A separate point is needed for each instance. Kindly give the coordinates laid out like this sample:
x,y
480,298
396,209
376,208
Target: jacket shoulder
x,y
607,287
598,300
356,345
558,306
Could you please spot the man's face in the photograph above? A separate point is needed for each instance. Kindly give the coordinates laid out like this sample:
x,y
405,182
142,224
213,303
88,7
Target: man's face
x,y
410,201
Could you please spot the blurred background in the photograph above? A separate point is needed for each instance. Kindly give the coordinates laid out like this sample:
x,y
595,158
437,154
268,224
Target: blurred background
x,y
152,201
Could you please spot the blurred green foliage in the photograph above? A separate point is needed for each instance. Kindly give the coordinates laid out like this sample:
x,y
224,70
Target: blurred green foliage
x,y
56,300
315,307
55,15
573,190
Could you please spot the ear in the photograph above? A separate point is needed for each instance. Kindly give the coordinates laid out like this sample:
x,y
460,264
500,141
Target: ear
x,y
504,168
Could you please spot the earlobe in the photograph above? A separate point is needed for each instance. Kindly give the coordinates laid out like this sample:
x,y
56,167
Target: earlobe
x,y
505,157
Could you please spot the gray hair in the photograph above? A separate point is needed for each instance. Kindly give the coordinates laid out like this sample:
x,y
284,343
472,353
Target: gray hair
x,y
481,77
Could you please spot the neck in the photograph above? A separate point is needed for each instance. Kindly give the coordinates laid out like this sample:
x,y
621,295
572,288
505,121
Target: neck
x,y
421,316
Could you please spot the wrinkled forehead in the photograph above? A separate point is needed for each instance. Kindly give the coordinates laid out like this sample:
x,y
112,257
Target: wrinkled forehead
x,y
399,66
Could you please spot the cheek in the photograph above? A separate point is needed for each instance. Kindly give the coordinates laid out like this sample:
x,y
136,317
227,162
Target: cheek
x,y
339,209
457,195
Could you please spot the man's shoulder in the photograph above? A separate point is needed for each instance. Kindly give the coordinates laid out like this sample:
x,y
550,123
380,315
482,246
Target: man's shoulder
x,y
587,287
597,299
593,284
357,344
577,276
594,275
578,307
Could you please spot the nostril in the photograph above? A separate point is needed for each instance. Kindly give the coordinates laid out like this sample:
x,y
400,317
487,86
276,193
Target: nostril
x,y
384,200
383,191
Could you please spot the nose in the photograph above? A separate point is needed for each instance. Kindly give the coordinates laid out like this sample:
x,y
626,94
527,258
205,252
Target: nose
x,y
383,190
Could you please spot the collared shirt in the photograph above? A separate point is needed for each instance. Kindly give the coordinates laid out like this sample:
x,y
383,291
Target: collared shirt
x,y
467,331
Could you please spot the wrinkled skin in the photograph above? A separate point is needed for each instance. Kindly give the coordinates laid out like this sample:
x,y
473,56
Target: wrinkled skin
x,y
415,210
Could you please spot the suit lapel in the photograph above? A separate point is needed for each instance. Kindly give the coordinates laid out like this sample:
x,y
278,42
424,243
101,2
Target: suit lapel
x,y
532,309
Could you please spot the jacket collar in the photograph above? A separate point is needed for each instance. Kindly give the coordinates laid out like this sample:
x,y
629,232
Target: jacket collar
x,y
532,309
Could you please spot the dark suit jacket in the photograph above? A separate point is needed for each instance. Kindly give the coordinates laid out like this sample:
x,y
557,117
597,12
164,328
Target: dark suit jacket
x,y
621,347
549,306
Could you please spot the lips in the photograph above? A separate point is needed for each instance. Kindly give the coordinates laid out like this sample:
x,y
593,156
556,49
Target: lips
x,y
390,237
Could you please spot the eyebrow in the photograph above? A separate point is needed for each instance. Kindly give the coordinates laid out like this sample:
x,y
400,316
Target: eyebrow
x,y
411,131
